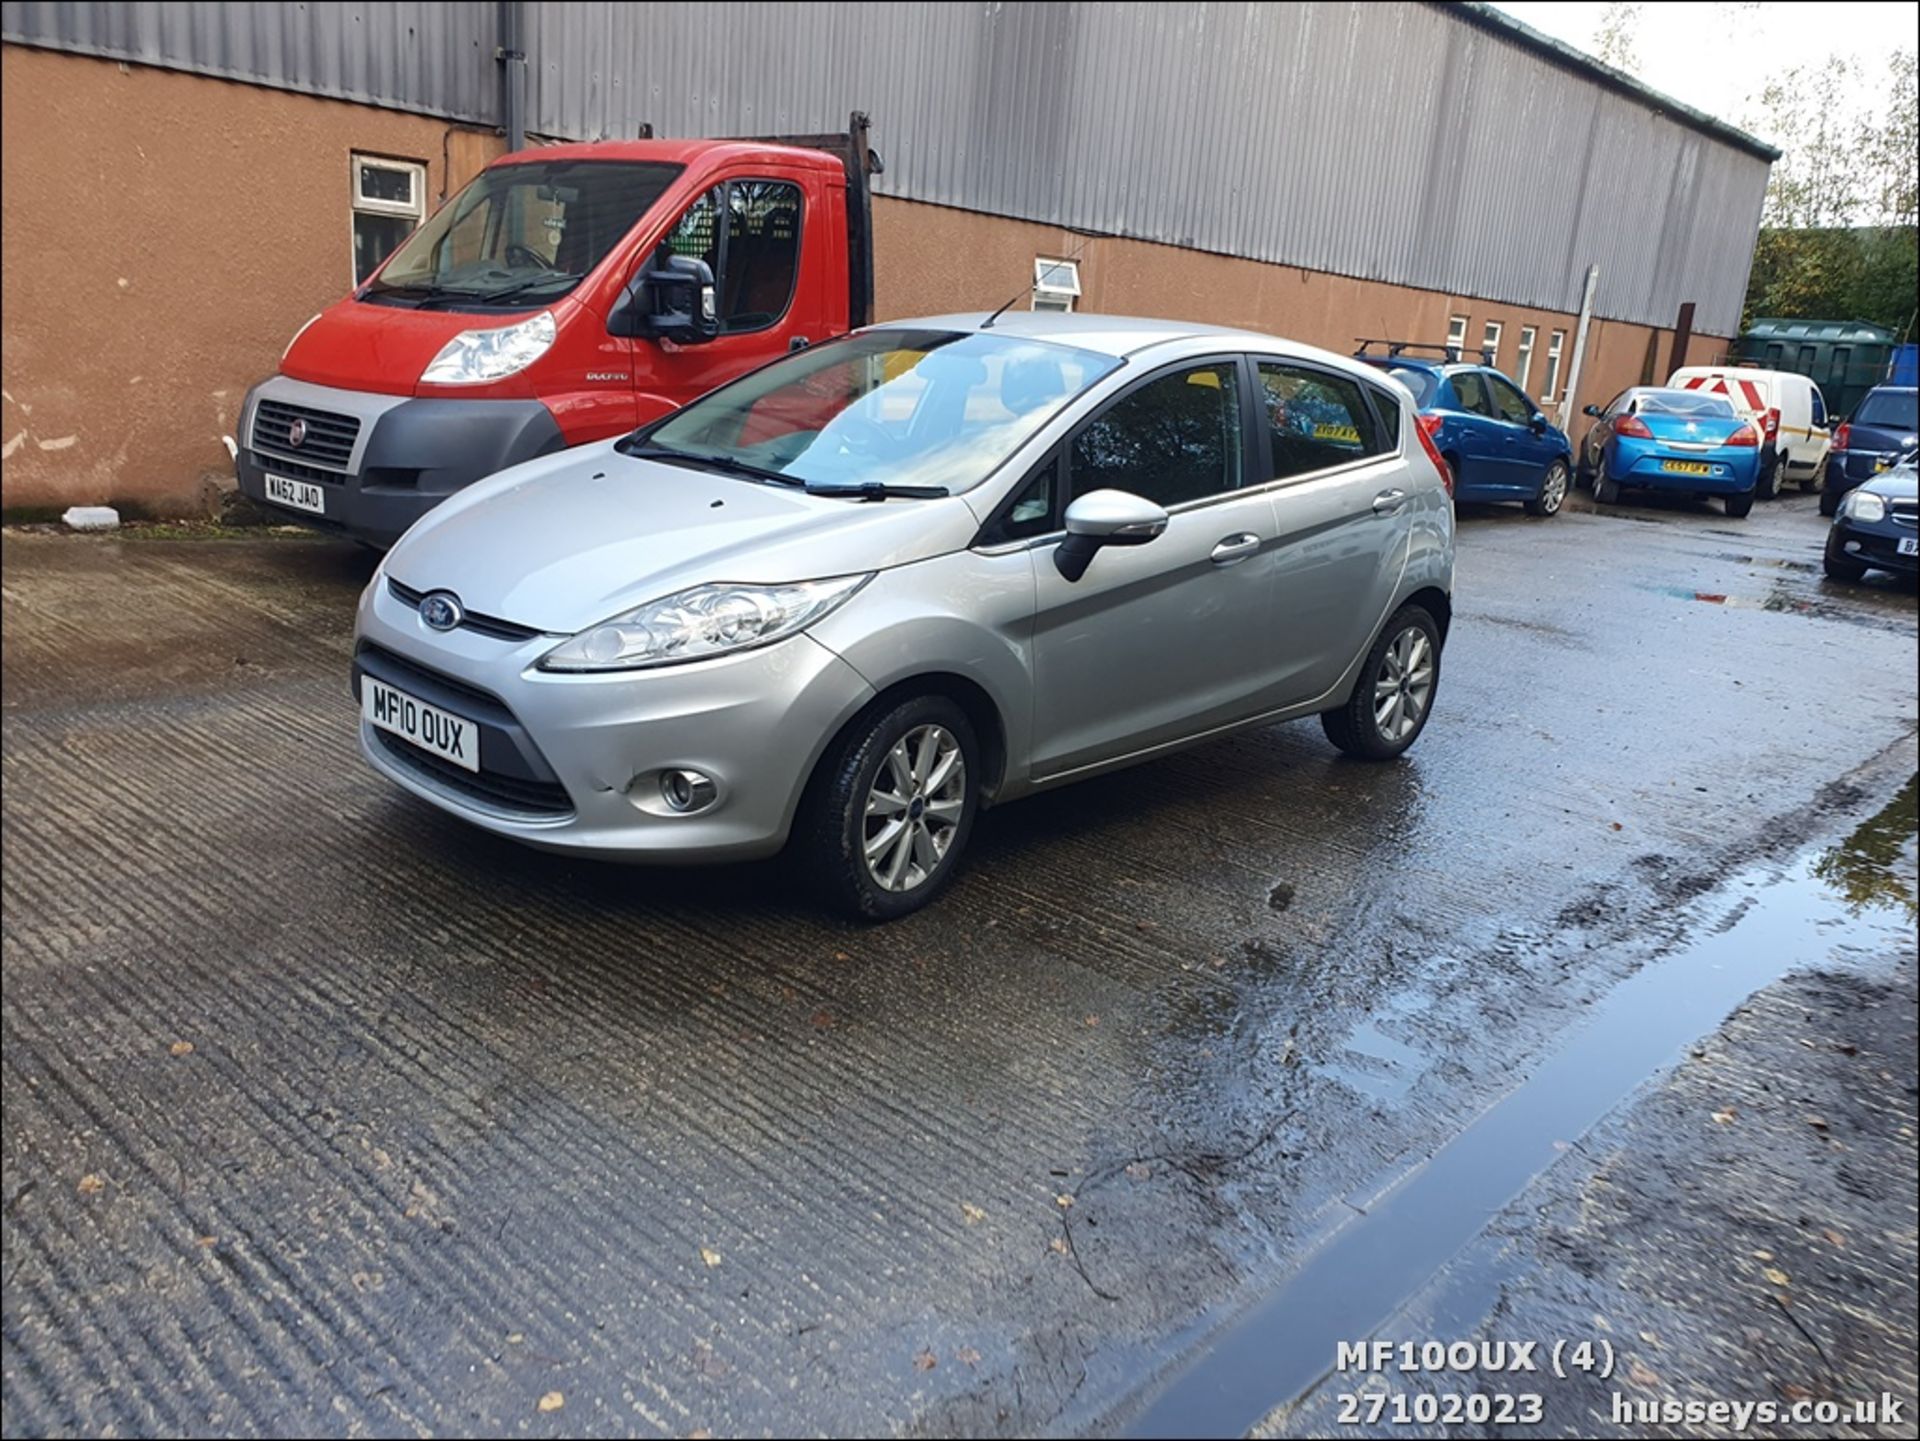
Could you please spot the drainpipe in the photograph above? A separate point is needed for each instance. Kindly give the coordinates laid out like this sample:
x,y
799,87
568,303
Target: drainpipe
x,y
1682,337
1579,346
513,77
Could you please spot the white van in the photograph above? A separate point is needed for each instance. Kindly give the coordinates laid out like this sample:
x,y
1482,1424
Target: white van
x,y
1795,431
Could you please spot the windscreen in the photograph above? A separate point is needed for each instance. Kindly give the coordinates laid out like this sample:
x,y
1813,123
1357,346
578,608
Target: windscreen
x,y
1685,402
521,234
1890,410
890,407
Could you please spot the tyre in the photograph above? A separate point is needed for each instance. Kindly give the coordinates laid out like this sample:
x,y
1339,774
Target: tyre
x,y
1553,491
1395,692
1740,506
1605,490
1768,485
1816,479
1829,503
891,807
1839,565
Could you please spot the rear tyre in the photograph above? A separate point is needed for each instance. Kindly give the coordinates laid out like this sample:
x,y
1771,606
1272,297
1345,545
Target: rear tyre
x,y
1605,490
1740,506
1395,692
1829,503
890,809
1838,564
1553,491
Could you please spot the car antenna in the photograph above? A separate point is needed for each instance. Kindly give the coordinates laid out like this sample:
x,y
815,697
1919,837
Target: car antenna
x,y
987,324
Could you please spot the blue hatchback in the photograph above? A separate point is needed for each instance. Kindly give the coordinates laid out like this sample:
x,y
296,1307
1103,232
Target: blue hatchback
x,y
1500,444
1657,438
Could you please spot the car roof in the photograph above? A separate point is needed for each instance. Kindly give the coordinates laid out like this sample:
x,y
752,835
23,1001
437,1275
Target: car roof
x,y
1115,335
1895,390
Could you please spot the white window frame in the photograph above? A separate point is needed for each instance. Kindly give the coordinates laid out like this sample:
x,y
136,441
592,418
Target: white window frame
x,y
1556,343
1056,284
1523,355
1490,335
1457,335
414,209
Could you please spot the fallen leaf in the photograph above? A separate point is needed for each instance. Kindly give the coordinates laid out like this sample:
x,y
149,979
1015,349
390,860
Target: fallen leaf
x,y
1093,1020
1063,1200
552,1401
1618,827
1139,1171
1060,1246
514,1338
1642,1376
90,1185
1817,1122
710,1256
1775,1275
1650,1338
1763,1255
973,1214
823,1020
1725,1117
1796,1393
1834,1238
925,1361
209,1241
967,1356
181,1048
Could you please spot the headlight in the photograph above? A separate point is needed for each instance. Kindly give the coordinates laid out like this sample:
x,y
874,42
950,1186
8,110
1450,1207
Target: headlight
x,y
707,620
1864,505
474,357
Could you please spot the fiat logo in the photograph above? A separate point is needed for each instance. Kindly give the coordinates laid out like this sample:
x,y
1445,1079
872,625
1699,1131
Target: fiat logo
x,y
441,610
297,432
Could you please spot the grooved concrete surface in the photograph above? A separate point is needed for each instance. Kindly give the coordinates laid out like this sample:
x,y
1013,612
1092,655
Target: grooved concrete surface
x,y
463,1126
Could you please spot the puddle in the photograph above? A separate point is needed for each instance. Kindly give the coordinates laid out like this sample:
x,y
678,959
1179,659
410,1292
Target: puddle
x,y
1374,1064
1857,896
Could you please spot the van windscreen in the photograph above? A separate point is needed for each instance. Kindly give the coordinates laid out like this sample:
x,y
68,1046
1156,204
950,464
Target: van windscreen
x,y
520,234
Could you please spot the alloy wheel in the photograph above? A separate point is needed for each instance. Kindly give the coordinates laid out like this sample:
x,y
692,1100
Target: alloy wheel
x,y
1404,685
914,807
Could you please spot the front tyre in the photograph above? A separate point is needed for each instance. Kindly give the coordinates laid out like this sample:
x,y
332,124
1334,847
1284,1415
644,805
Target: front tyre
x,y
1838,564
1394,694
1553,491
891,808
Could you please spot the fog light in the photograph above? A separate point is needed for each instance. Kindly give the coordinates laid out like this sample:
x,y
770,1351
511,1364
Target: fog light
x,y
686,791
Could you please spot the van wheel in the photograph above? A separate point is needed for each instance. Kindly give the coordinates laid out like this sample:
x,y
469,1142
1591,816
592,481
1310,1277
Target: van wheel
x,y
1817,479
891,807
1768,486
1740,506
1394,695
1553,491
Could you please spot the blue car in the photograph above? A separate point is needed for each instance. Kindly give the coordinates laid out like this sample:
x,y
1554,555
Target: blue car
x,y
1657,438
1878,527
1885,423
1498,442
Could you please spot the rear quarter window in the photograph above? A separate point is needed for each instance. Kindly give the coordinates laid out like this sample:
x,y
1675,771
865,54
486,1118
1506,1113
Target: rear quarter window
x,y
1421,382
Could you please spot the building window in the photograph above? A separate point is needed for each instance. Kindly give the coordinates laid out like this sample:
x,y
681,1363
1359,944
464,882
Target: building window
x,y
1457,335
1523,357
1490,344
1555,343
1056,284
389,200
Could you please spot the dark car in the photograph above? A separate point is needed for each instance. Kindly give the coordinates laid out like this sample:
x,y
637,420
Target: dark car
x,y
1878,527
1886,423
1499,443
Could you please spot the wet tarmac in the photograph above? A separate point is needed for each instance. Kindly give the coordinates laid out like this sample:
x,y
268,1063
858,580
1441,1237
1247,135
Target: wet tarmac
x,y
325,1112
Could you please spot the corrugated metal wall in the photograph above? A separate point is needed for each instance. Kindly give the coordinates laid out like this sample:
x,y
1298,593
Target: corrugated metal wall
x,y
1390,142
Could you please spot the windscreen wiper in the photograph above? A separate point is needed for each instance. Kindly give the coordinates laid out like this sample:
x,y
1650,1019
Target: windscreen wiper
x,y
507,292
874,490
710,462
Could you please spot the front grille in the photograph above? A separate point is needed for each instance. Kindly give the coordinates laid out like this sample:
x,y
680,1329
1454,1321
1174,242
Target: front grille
x,y
328,438
480,624
482,705
545,799
1907,512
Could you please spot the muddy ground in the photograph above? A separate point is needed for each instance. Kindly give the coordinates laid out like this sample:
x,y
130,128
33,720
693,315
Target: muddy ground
x,y
326,1113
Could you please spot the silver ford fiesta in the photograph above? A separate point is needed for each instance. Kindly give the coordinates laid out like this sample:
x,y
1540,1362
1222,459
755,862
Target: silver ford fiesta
x,y
846,601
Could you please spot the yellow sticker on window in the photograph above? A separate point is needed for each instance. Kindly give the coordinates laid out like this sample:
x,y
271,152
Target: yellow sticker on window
x,y
1345,434
1208,378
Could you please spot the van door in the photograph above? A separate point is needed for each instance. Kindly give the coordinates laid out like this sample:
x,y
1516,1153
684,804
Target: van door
x,y
752,232
1160,641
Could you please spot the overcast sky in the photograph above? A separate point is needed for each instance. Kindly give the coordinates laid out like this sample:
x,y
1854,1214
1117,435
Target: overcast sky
x,y
1715,57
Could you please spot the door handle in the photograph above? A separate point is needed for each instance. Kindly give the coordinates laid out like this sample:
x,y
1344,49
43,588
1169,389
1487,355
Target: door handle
x,y
1388,501
1235,548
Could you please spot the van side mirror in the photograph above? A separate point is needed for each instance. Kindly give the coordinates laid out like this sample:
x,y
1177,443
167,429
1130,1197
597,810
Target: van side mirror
x,y
1592,410
673,301
1102,518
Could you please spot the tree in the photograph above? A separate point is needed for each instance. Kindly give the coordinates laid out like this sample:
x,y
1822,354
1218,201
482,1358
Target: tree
x,y
1615,37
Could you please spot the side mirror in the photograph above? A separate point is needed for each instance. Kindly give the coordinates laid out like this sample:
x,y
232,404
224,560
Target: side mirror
x,y
1102,518
674,301
1592,410
1539,423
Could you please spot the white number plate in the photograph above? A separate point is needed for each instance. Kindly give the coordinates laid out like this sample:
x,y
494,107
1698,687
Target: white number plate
x,y
451,737
300,494
1910,545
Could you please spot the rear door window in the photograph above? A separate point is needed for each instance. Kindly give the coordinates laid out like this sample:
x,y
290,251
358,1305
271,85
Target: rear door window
x,y
1316,419
1175,439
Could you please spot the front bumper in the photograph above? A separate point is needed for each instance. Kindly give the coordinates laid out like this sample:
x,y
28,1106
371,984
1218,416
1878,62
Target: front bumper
x,y
571,762
380,462
1644,463
1876,544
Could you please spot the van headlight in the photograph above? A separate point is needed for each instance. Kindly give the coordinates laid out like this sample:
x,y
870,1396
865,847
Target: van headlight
x,y
706,620
1864,506
474,357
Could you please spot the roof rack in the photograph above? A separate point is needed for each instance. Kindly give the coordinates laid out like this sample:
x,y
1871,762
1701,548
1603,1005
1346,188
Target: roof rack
x,y
1450,353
